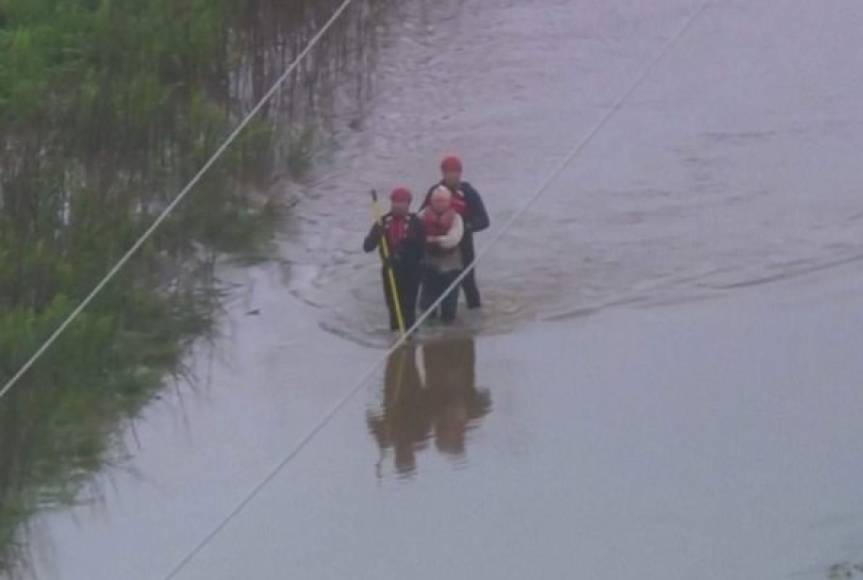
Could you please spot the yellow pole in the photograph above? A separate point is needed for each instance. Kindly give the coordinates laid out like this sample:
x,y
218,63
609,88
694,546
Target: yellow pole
x,y
385,250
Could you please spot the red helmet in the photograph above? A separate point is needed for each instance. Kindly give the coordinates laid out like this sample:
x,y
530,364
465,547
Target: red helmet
x,y
401,194
451,163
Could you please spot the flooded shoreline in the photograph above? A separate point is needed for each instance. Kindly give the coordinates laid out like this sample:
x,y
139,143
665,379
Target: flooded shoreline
x,y
663,383
654,443
77,187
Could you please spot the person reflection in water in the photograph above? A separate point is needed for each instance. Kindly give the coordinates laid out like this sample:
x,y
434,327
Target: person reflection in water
x,y
429,393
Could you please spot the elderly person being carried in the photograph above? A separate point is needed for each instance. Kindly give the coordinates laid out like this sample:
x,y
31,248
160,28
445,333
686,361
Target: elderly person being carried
x,y
444,230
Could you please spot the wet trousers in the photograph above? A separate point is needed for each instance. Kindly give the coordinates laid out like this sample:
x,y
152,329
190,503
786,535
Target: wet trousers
x,y
408,283
471,290
434,285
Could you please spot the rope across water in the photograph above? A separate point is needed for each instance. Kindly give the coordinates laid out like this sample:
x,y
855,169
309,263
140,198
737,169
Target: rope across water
x,y
169,209
350,394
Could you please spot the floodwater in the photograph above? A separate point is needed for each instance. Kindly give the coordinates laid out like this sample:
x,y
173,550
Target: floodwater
x,y
664,383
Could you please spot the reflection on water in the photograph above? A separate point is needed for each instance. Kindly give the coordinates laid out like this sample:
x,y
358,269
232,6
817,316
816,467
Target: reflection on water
x,y
430,393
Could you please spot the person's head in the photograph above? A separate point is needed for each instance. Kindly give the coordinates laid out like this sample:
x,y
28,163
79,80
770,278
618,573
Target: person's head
x,y
400,200
451,168
441,199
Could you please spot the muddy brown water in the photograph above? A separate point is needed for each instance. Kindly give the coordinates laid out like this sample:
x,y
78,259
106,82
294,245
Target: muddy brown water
x,y
664,382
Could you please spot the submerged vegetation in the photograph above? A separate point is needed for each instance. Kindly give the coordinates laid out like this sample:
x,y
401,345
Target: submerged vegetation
x,y
107,108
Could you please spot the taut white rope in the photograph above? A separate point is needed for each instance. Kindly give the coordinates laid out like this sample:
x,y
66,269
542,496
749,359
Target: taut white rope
x,y
324,421
171,206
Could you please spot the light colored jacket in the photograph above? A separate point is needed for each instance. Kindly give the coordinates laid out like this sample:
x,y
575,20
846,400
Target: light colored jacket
x,y
450,259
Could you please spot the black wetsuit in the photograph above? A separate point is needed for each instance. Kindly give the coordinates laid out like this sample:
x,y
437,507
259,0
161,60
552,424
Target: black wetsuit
x,y
406,262
475,221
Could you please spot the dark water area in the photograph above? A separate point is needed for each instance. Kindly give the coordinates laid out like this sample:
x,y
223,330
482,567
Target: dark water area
x,y
733,165
706,440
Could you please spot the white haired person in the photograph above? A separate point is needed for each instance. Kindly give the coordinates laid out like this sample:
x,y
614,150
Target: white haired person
x,y
468,203
444,230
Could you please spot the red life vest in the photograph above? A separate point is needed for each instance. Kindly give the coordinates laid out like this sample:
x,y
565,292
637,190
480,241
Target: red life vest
x,y
459,203
396,228
438,224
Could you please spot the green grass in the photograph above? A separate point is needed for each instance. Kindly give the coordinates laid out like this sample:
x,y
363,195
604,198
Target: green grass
x,y
107,108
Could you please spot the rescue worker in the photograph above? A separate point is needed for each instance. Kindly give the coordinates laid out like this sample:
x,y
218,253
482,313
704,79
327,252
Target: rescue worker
x,y
469,204
444,230
406,240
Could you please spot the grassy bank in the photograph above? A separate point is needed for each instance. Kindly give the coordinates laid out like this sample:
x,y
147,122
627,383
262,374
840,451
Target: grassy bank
x,y
107,107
